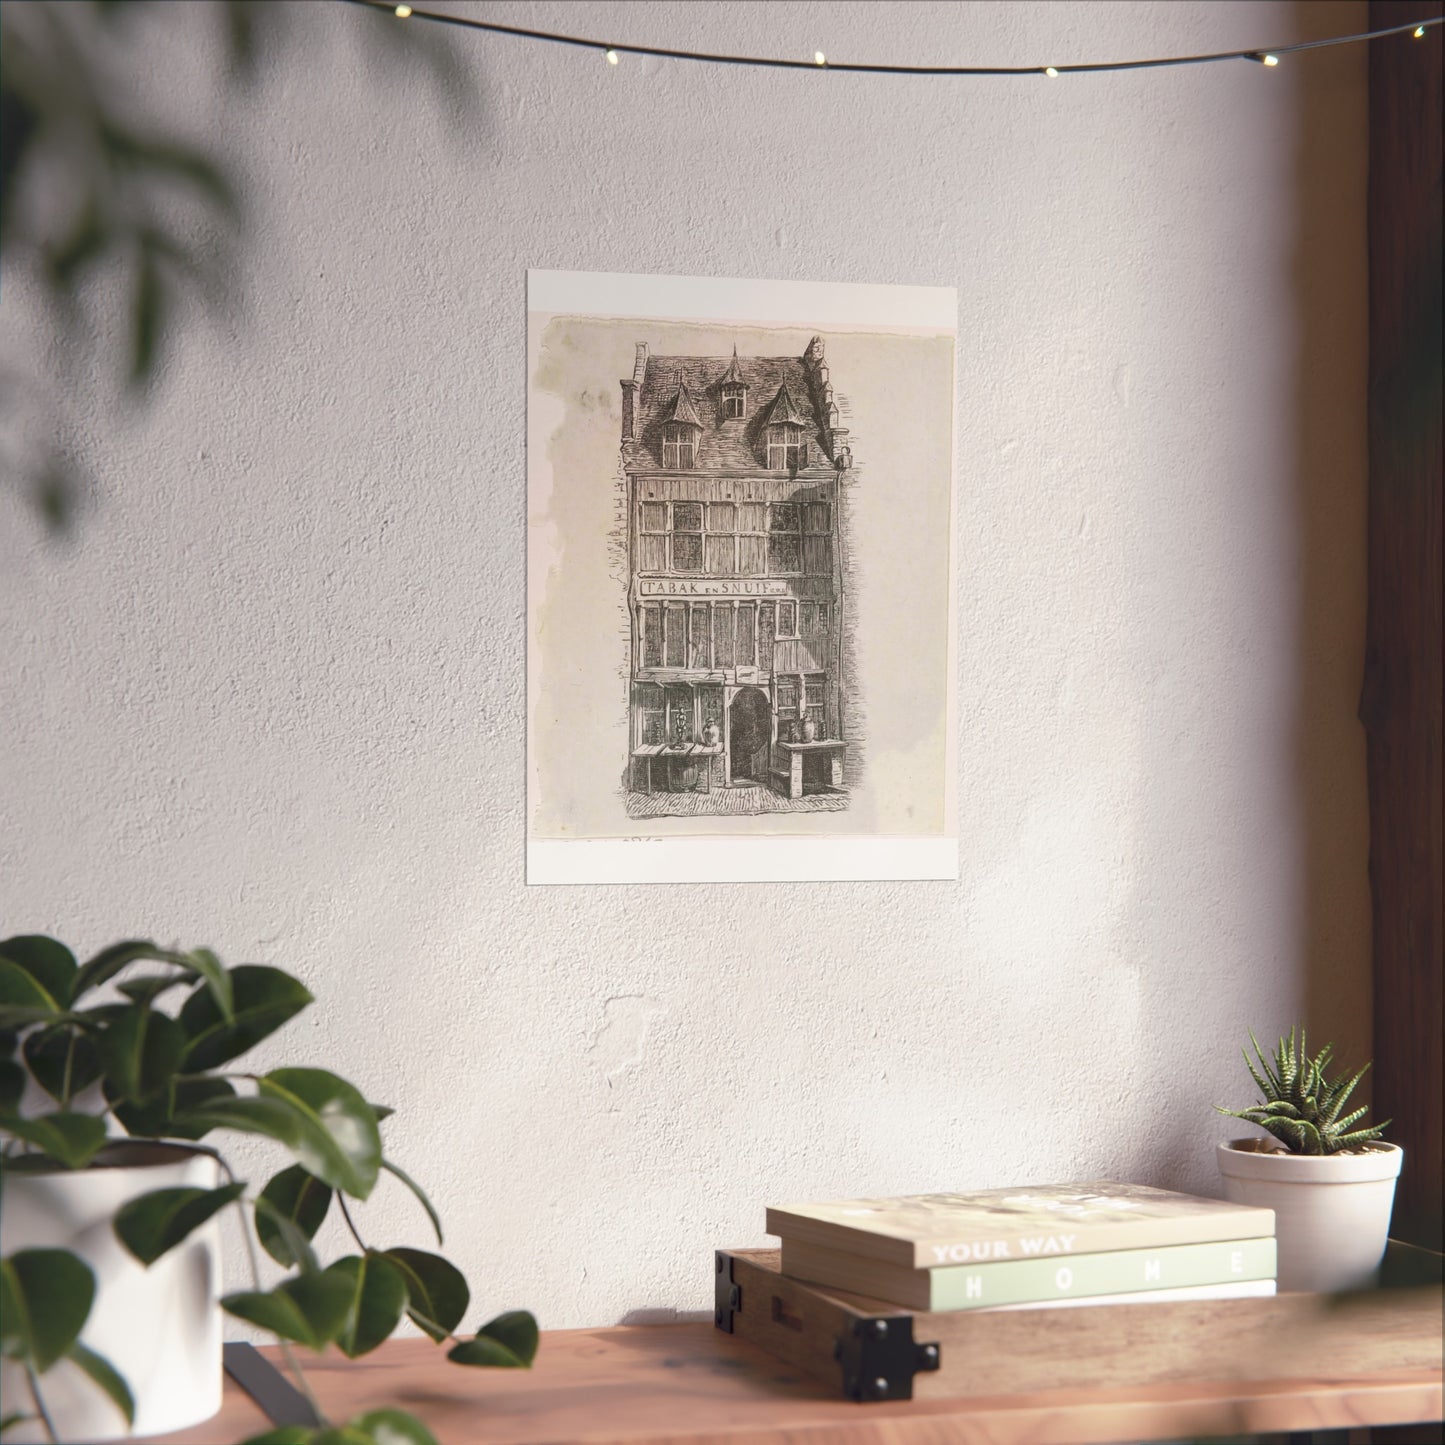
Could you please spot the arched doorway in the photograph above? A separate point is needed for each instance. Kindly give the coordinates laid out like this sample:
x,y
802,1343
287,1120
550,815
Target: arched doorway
x,y
749,733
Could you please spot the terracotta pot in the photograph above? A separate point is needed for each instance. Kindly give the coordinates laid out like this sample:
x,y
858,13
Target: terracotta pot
x,y
160,1327
1331,1211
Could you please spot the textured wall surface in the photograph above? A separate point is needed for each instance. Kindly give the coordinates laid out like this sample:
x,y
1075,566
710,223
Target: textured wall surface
x,y
269,696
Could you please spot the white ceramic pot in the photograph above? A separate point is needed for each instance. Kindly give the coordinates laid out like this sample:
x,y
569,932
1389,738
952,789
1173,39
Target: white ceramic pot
x,y
160,1327
1331,1211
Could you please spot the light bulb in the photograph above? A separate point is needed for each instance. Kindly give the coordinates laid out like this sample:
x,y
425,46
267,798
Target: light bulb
x,y
1271,60
612,57
402,11
1051,72
1419,32
818,58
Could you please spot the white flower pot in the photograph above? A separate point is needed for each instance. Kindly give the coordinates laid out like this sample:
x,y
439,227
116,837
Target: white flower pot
x,y
1331,1211
160,1327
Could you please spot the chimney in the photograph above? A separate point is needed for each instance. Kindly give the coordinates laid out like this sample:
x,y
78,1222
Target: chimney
x,y
629,394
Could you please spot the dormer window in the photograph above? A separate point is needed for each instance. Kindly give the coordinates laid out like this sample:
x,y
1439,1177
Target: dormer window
x,y
734,390
787,451
679,447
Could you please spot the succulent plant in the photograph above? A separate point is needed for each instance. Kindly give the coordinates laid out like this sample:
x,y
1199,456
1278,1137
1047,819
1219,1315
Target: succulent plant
x,y
1301,1107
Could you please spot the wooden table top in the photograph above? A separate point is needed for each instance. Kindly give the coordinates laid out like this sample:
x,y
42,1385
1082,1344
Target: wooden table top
x,y
691,1384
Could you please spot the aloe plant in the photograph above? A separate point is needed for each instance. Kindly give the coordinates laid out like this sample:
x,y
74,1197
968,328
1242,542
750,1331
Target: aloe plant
x,y
1302,1108
171,1075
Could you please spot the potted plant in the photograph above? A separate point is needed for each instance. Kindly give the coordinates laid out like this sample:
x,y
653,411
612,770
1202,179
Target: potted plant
x,y
112,1086
1331,1185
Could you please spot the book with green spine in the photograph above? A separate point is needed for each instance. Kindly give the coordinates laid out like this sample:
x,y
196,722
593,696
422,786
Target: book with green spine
x,y
1034,1281
923,1231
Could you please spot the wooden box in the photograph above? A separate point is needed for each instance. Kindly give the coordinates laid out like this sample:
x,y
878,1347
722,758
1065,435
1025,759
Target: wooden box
x,y
871,1350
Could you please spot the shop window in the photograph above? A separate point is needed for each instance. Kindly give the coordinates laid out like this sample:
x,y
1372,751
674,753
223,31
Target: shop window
x,y
675,644
747,641
813,698
701,638
679,446
767,625
651,720
652,636
679,715
722,637
787,697
787,619
687,536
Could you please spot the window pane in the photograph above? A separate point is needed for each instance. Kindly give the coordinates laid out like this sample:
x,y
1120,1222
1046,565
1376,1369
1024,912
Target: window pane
x,y
782,517
699,637
687,551
652,637
676,651
750,517
721,554
808,620
783,554
679,714
652,552
787,619
818,556
765,636
722,637
687,516
722,517
788,696
654,517
747,618
813,683
815,516
752,556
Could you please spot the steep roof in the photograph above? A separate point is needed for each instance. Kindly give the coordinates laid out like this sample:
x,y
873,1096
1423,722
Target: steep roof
x,y
784,409
733,375
725,443
681,409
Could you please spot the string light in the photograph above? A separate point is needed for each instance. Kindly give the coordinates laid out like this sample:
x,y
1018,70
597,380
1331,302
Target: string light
x,y
1260,56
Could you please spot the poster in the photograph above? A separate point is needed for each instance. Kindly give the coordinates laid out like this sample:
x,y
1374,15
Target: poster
x,y
740,631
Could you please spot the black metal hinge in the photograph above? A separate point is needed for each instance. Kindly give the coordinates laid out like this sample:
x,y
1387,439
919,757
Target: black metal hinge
x,y
727,1296
880,1358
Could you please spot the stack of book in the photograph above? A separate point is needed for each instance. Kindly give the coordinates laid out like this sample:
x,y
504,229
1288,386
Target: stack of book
x,y
1031,1247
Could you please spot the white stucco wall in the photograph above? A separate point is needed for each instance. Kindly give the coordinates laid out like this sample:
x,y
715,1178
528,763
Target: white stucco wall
x,y
269,698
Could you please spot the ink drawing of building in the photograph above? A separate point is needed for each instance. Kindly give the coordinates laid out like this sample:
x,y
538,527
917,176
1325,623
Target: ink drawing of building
x,y
735,576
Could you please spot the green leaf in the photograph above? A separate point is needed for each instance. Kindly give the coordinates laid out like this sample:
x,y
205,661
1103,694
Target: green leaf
x,y
23,999
186,1094
141,1051
341,1435
151,1224
104,1374
263,999
148,989
73,1139
295,1243
310,1310
392,1427
50,964
340,1143
109,962
64,1061
378,1296
12,1086
284,1435
437,1293
298,1197
210,968
10,1421
45,1299
507,1342
382,1111
416,1189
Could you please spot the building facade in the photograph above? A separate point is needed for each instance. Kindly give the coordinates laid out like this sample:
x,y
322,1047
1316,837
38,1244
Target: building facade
x,y
736,594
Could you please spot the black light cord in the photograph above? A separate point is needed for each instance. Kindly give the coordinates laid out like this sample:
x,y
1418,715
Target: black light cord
x,y
612,49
